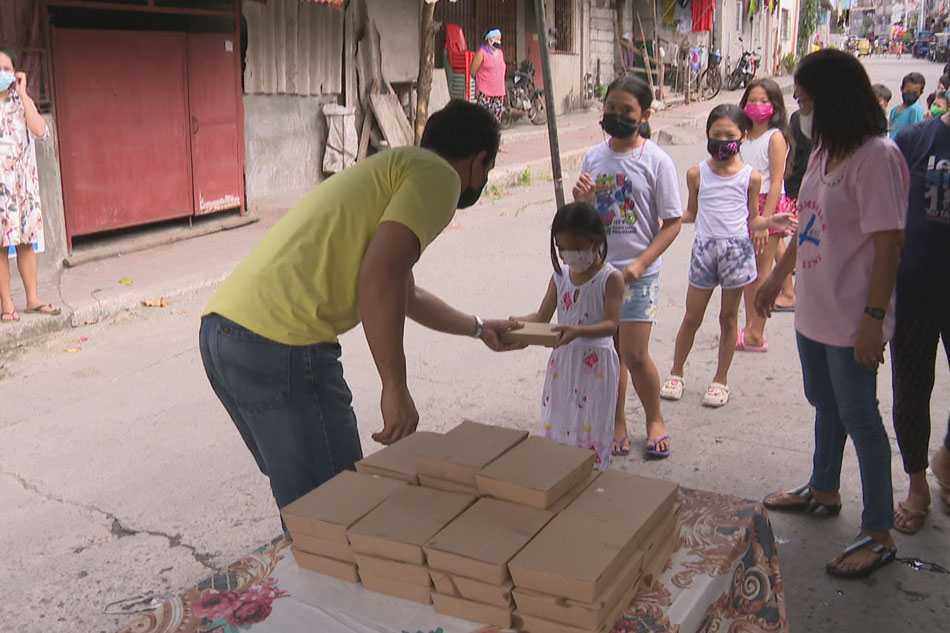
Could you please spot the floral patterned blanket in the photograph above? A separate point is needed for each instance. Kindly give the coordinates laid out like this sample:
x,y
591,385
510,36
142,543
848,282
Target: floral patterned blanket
x,y
723,576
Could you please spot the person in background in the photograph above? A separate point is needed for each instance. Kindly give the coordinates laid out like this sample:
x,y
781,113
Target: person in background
x,y
943,84
853,205
930,102
909,111
21,222
342,256
800,148
489,69
938,107
923,314
632,183
766,150
724,204
883,94
580,389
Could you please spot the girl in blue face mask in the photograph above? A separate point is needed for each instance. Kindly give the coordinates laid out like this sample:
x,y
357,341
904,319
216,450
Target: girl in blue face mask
x,y
724,204
20,124
580,391
633,186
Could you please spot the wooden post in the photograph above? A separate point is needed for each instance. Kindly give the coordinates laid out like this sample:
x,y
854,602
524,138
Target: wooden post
x,y
646,54
620,55
549,103
426,61
656,51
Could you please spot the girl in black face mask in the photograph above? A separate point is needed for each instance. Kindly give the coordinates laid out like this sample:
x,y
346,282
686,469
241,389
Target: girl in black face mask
x,y
632,184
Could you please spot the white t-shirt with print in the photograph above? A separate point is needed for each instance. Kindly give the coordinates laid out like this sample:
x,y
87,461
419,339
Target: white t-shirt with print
x,y
635,190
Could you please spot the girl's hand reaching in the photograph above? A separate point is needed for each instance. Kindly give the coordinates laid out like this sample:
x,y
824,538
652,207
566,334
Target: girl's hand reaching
x,y
784,222
766,295
585,190
568,334
760,239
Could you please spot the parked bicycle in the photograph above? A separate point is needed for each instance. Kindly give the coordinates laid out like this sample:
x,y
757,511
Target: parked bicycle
x,y
744,72
707,83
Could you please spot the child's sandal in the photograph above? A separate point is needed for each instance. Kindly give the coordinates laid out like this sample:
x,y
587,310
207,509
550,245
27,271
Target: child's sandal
x,y
673,388
716,395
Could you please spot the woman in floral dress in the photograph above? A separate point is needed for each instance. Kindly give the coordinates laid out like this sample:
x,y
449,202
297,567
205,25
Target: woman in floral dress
x,y
21,224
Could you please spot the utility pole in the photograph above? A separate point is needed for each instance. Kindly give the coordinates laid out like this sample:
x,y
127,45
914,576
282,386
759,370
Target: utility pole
x,y
549,103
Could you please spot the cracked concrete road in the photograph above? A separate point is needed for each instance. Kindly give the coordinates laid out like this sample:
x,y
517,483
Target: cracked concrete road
x,y
122,476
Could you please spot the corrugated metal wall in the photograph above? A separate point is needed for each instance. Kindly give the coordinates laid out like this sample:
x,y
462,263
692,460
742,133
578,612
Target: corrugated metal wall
x,y
293,47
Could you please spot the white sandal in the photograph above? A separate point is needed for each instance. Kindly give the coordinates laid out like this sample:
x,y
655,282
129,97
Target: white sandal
x,y
673,388
716,395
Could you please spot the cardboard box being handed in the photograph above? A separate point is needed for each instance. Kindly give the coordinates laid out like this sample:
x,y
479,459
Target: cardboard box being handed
x,y
533,334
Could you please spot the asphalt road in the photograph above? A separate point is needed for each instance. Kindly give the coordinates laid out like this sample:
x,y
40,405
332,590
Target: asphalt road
x,y
121,475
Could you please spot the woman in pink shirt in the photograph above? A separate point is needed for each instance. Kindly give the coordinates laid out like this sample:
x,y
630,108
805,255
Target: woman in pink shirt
x,y
852,209
488,67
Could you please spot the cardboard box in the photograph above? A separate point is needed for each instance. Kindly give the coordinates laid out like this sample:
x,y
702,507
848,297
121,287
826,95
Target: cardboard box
x,y
462,452
399,527
574,556
395,461
405,590
590,616
639,502
533,624
475,590
474,611
574,492
537,472
655,565
393,570
480,542
533,334
328,566
326,512
323,547
446,485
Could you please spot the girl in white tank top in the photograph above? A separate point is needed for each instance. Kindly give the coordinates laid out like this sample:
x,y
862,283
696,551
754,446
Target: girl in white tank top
x,y
724,204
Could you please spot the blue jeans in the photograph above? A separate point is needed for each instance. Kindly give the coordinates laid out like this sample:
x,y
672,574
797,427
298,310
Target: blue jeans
x,y
290,404
844,395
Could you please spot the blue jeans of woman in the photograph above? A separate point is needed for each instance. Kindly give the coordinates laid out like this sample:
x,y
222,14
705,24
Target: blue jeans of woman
x,y
844,395
290,404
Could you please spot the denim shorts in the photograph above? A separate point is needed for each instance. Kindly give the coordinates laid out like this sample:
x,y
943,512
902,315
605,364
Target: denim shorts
x,y
639,300
728,262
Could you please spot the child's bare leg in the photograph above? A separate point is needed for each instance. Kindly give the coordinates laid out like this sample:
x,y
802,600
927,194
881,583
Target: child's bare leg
x,y
754,324
728,332
696,301
635,353
786,298
620,417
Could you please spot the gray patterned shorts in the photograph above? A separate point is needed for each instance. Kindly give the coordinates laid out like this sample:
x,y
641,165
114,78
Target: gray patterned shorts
x,y
727,262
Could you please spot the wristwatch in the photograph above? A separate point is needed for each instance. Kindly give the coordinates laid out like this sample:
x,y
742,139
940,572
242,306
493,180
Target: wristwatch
x,y
875,313
479,327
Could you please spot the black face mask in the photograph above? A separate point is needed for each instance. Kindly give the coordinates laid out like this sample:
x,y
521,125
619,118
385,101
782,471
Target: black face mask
x,y
470,194
619,126
722,150
910,98
496,44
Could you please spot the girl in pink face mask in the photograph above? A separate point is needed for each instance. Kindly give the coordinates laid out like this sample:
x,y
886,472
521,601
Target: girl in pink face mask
x,y
765,149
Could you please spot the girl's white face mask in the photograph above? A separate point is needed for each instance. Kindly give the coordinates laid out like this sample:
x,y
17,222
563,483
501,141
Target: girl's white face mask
x,y
578,260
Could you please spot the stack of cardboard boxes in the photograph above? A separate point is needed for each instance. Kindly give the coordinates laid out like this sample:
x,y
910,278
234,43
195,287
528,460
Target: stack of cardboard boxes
x,y
503,529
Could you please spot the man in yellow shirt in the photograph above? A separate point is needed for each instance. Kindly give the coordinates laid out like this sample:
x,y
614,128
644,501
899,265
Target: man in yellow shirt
x,y
344,254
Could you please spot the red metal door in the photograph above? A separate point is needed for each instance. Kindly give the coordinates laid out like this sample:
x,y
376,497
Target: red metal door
x,y
122,118
216,122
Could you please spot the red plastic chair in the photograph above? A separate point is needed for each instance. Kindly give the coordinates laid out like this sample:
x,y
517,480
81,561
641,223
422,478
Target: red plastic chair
x,y
460,58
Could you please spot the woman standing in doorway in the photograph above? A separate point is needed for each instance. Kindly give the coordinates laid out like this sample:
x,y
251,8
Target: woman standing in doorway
x,y
488,68
21,224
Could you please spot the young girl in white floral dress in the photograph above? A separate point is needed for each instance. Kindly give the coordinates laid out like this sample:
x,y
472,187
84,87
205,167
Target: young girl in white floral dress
x,y
580,390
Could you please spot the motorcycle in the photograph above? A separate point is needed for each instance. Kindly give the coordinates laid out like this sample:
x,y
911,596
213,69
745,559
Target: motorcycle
x,y
744,72
523,98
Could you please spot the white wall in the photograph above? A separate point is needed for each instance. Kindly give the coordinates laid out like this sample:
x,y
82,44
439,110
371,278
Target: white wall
x,y
398,24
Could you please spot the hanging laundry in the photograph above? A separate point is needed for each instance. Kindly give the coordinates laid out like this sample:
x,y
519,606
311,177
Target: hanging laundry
x,y
684,19
668,17
703,11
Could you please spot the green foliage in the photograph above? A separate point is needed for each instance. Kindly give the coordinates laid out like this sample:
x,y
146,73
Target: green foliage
x,y
788,61
908,38
601,91
525,178
807,23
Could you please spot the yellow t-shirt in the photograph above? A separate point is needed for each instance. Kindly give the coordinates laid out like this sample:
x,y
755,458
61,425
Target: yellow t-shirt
x,y
299,286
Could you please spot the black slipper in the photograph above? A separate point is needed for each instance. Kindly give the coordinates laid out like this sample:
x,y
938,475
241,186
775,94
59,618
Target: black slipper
x,y
809,504
864,541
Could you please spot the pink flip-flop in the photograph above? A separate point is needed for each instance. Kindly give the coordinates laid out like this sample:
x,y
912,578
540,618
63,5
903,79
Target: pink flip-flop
x,y
741,345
